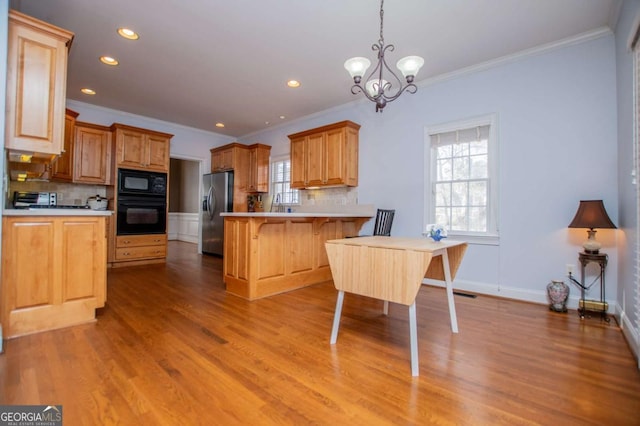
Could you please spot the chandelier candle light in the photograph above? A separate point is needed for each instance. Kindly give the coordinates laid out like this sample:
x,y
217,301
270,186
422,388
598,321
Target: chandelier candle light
x,y
376,88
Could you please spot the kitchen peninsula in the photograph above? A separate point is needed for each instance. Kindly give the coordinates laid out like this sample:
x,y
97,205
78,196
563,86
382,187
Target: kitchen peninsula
x,y
53,268
271,253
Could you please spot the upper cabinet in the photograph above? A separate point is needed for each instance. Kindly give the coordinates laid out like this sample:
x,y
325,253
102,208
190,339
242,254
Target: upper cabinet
x,y
36,85
227,157
86,154
258,168
62,167
250,165
325,156
92,154
141,149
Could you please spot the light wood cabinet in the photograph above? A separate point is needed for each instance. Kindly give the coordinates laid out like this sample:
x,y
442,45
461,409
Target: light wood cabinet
x,y
325,156
92,154
62,166
250,166
141,149
224,158
53,272
140,248
258,168
269,255
86,157
36,85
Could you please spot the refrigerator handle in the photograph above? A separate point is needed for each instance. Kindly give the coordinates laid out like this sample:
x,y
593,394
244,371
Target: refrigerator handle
x,y
211,199
212,203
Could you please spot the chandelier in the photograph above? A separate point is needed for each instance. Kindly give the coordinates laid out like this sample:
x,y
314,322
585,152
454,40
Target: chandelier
x,y
376,88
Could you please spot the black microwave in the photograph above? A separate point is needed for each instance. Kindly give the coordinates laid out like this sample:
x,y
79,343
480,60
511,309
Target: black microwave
x,y
139,182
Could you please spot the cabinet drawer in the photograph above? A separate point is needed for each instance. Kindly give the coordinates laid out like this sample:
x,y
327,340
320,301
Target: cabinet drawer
x,y
144,252
124,241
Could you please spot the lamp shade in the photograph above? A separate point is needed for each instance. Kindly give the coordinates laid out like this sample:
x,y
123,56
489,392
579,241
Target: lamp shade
x,y
357,66
410,65
591,214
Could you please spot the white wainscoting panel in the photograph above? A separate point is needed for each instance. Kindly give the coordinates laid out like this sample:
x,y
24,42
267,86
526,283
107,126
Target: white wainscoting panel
x,y
183,227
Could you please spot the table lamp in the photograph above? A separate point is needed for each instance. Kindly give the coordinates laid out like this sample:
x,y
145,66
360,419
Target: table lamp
x,y
591,214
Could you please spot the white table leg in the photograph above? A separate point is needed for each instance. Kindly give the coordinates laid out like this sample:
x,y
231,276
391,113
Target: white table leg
x,y
385,307
336,318
413,335
449,285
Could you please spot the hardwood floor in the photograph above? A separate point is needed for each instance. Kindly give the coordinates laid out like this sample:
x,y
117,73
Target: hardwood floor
x,y
171,347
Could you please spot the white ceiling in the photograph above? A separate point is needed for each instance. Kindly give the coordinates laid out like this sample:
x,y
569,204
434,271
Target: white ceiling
x,y
198,62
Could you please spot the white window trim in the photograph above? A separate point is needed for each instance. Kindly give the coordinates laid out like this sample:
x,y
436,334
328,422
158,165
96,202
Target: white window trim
x,y
276,159
489,238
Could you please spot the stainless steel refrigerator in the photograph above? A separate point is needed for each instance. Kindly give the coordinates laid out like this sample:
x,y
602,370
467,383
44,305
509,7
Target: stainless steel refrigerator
x,y
217,197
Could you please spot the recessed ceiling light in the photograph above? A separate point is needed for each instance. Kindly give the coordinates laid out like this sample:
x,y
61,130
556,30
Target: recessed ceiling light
x,y
88,91
128,34
267,123
221,125
293,83
282,117
108,60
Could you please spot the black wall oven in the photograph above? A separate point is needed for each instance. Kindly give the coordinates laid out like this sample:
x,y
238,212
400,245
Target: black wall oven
x,y
142,202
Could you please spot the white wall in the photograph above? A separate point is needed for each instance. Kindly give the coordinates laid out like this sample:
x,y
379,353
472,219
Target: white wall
x,y
557,142
627,282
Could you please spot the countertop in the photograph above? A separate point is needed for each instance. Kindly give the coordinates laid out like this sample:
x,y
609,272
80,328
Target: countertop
x,y
56,212
301,214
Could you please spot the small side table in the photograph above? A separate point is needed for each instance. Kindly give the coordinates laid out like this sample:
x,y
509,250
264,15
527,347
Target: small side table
x,y
586,305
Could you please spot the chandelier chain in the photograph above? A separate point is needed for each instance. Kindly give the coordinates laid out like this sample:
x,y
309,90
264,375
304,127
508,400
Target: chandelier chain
x,y
381,21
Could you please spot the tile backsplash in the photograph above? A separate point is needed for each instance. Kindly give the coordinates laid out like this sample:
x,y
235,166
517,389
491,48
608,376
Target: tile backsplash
x,y
339,196
68,193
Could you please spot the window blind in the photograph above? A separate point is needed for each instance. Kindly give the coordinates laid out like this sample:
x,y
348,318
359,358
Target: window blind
x,y
460,136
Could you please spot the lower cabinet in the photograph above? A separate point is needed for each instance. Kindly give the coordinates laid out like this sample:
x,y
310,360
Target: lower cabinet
x,y
53,272
140,248
266,255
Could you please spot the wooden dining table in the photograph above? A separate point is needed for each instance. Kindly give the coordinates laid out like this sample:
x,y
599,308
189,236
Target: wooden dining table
x,y
392,269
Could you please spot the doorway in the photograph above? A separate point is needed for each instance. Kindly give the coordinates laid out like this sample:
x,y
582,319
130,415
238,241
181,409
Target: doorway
x,y
184,200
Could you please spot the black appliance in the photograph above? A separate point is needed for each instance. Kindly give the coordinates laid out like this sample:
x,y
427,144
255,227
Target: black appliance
x,y
142,202
139,182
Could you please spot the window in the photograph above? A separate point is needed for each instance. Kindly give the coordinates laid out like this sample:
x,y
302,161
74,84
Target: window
x,y
461,179
281,181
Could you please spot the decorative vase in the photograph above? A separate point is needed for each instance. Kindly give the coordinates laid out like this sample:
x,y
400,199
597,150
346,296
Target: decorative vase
x,y
436,232
558,293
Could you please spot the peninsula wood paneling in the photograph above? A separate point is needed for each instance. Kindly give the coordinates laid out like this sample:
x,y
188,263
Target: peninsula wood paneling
x,y
282,252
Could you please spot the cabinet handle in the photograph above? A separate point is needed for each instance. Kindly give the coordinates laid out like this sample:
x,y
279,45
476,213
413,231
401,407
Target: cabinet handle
x,y
126,253
126,242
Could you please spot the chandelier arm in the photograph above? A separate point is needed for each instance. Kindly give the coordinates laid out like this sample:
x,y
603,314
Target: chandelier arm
x,y
411,88
358,88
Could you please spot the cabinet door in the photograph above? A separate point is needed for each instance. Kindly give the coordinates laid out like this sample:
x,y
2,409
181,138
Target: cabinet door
x,y
316,159
69,282
298,162
83,257
158,153
62,167
259,169
92,155
222,159
335,157
130,149
36,85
